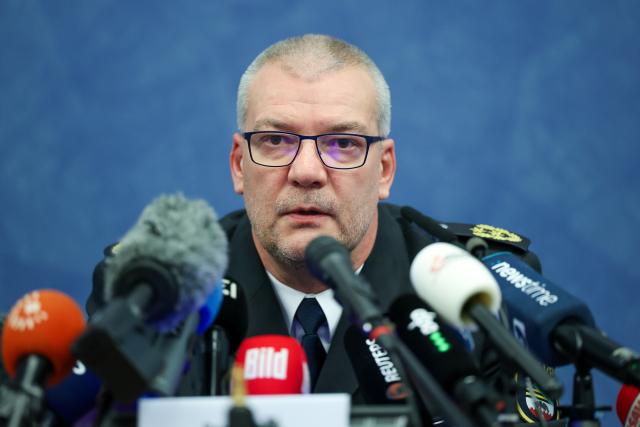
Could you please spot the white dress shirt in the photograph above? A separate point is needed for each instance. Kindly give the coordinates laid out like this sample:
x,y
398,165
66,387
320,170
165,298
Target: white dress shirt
x,y
291,298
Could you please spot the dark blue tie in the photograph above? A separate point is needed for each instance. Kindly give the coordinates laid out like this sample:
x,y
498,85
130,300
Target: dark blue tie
x,y
311,317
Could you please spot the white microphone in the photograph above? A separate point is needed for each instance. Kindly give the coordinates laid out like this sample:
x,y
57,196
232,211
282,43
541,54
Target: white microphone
x,y
449,279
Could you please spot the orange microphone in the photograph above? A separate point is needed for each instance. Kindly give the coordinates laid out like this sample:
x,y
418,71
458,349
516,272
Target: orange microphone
x,y
273,364
36,347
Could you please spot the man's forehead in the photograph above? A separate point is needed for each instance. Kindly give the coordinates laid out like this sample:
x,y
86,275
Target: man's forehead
x,y
279,71
311,65
277,96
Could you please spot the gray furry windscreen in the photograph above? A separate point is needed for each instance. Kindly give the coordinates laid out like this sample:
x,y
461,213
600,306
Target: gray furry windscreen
x,y
185,236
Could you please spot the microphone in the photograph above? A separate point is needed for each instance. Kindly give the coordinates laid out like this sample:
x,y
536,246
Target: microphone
x,y
159,274
36,340
75,396
428,224
628,406
378,376
555,325
169,261
467,295
209,311
441,349
273,364
43,323
329,261
223,338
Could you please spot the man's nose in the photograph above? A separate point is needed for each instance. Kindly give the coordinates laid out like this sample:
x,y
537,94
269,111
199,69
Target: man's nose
x,y
307,169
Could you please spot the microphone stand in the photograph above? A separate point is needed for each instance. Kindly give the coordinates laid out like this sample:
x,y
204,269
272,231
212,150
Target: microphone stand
x,y
22,401
239,414
582,412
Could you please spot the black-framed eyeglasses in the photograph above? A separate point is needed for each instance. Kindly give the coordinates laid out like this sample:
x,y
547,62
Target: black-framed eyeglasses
x,y
336,150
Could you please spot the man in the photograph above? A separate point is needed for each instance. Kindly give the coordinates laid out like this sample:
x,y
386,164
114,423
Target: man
x,y
297,188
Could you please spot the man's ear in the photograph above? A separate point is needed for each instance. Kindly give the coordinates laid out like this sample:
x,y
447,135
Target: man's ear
x,y
387,168
236,158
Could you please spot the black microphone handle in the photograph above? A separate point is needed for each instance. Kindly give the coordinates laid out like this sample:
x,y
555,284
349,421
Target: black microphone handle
x,y
21,411
473,394
414,412
241,416
432,395
511,350
217,356
350,288
429,225
583,343
166,382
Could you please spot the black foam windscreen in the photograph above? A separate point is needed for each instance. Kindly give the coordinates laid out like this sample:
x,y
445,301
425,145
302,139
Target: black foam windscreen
x,y
176,248
438,345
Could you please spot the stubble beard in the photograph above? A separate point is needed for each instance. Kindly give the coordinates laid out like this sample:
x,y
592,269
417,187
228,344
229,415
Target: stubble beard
x,y
351,228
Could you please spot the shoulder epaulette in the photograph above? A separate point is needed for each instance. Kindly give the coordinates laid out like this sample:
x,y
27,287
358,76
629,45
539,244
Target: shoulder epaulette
x,y
490,233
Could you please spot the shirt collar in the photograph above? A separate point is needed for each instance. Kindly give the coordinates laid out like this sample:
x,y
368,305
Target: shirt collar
x,y
291,298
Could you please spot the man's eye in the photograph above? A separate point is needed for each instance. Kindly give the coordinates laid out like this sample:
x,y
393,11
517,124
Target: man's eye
x,y
342,143
272,139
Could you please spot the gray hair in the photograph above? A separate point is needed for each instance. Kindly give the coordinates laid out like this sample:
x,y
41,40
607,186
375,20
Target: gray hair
x,y
310,55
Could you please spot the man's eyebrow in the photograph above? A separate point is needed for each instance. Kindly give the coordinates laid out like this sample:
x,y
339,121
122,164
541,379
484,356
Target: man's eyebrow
x,y
354,126
342,127
269,124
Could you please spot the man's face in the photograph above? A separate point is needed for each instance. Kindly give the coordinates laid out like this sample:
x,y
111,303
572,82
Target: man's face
x,y
290,206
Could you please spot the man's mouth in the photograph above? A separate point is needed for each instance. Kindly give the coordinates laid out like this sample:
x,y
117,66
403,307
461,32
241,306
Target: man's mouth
x,y
307,211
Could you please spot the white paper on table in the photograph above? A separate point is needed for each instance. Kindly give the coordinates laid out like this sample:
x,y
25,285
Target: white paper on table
x,y
310,410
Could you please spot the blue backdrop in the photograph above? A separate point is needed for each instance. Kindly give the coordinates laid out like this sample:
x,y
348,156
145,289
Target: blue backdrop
x,y
522,114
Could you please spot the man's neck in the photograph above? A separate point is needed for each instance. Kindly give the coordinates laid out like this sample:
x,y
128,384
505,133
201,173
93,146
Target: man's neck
x,y
293,274
297,277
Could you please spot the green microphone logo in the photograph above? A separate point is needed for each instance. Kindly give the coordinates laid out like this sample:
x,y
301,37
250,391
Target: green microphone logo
x,y
425,321
438,340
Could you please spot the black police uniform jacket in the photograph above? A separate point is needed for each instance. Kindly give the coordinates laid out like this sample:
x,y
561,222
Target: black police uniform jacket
x,y
386,269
